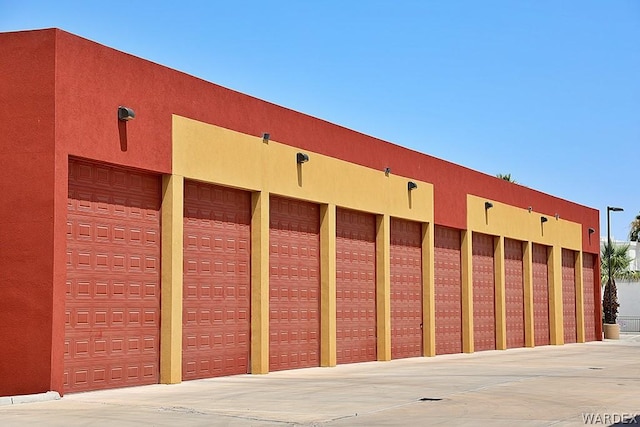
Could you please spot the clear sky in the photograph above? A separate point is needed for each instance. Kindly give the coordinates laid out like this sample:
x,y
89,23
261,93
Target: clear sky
x,y
546,90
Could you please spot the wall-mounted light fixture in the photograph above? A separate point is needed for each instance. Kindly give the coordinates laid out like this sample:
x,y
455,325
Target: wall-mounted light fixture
x,y
126,113
302,158
488,205
530,208
412,185
543,219
387,171
265,137
591,230
557,215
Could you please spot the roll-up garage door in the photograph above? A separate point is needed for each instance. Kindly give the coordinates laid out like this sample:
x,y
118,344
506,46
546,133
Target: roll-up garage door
x,y
113,278
484,319
540,295
355,286
406,289
216,282
589,282
448,290
514,292
294,281
569,296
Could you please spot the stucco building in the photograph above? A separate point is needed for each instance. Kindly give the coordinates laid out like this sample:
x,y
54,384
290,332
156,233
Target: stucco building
x,y
218,234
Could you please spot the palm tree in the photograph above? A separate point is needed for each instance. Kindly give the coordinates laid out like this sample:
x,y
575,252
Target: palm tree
x,y
506,177
620,261
634,233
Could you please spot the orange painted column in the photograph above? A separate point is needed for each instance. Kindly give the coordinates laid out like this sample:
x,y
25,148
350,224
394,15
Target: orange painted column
x,y
171,279
327,285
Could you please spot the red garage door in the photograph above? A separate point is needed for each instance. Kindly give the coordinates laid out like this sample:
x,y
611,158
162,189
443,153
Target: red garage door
x,y
216,282
355,286
540,295
448,290
294,281
406,289
589,282
113,278
484,318
514,292
569,296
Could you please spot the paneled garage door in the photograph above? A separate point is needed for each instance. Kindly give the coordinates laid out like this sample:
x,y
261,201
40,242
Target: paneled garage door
x,y
113,278
484,318
448,290
355,286
406,289
514,292
294,281
589,275
216,282
540,295
569,296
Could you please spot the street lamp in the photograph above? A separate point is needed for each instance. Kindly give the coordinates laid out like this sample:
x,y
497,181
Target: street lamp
x,y
610,297
609,209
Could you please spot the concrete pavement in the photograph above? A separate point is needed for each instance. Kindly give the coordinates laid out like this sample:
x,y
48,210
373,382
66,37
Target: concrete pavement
x,y
575,384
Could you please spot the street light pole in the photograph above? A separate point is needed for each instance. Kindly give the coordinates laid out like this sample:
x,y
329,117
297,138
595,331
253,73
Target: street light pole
x,y
609,209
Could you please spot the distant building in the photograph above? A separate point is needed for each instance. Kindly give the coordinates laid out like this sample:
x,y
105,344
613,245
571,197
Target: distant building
x,y
628,291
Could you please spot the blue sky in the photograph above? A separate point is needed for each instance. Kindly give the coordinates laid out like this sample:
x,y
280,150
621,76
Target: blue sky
x,y
546,90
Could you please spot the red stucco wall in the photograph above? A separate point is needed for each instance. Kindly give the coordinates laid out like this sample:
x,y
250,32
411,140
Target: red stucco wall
x,y
26,210
99,78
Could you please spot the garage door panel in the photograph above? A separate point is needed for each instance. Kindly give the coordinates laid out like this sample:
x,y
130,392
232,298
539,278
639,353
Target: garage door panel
x,y
484,330
355,287
113,286
406,288
540,295
294,320
569,296
589,275
514,293
216,284
448,290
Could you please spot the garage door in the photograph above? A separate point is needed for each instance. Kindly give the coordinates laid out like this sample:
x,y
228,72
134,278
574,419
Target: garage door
x,y
113,278
514,292
448,290
484,318
355,286
216,282
569,296
294,281
540,295
588,277
406,289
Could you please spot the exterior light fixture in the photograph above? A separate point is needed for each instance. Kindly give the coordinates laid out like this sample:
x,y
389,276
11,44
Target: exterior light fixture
x,y
126,113
265,137
530,208
557,216
543,219
591,230
488,205
412,185
302,158
387,171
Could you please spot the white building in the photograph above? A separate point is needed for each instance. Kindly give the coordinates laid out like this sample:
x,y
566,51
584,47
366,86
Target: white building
x,y
628,292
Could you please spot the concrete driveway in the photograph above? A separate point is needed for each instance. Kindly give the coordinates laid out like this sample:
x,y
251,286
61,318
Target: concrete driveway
x,y
576,384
